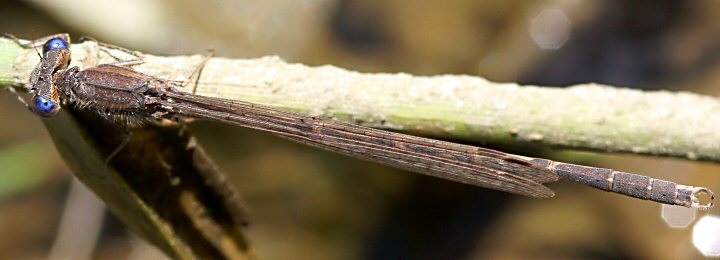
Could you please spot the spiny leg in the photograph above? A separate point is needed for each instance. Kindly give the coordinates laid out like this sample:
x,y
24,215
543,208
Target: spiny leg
x,y
198,70
32,44
123,143
36,42
106,47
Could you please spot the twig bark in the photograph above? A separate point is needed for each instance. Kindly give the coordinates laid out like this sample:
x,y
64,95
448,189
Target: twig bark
x,y
469,108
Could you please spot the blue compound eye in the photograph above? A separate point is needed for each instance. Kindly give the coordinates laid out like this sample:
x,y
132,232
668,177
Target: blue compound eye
x,y
56,44
44,107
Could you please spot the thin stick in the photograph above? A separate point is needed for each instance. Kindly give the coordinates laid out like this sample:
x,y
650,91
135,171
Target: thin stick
x,y
460,107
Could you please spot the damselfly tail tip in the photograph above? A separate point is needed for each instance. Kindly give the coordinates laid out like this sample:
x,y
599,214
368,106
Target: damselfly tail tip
x,y
695,201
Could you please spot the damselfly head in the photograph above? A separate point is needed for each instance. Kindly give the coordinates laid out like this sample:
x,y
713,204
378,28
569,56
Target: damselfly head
x,y
56,57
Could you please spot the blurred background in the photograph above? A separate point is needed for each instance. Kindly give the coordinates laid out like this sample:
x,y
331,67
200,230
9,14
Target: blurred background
x,y
312,204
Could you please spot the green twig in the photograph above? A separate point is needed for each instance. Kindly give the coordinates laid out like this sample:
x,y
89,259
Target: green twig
x,y
469,108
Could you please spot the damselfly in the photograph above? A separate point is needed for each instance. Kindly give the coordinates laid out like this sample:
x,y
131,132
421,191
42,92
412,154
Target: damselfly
x,y
122,92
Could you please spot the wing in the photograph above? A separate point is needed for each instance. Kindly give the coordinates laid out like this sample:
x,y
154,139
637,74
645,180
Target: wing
x,y
456,162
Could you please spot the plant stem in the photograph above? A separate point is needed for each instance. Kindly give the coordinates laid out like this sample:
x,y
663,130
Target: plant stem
x,y
468,108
